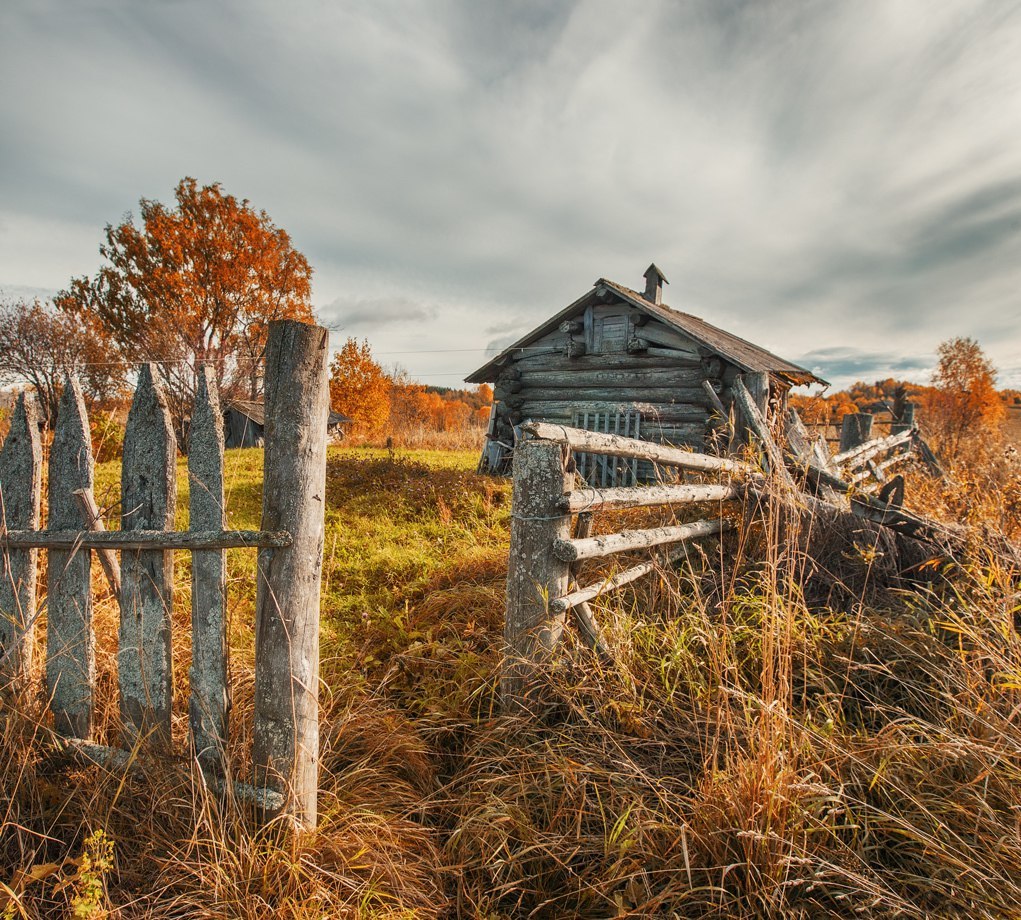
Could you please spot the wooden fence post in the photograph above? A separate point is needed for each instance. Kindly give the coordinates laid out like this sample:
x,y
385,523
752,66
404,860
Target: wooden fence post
x,y
148,498
856,429
21,461
535,576
70,643
210,702
286,743
905,421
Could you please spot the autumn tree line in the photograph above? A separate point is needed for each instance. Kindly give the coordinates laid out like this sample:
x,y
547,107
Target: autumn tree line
x,y
191,285
197,284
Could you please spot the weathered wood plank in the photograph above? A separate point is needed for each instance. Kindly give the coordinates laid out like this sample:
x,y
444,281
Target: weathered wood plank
x,y
534,574
286,740
862,452
92,520
656,333
646,496
757,423
70,643
209,703
693,396
21,461
542,363
581,596
148,497
626,540
121,540
676,379
614,445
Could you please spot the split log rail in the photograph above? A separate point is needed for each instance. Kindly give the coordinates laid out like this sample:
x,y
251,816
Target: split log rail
x,y
541,578
290,546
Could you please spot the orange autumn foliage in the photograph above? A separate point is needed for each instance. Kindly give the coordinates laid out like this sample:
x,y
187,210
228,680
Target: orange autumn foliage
x,y
964,402
390,405
360,388
195,283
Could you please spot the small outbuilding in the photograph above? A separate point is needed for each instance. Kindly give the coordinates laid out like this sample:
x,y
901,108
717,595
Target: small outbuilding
x,y
244,423
626,363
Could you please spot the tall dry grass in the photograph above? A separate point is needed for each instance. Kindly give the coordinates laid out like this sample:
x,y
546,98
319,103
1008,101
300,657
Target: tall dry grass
x,y
799,723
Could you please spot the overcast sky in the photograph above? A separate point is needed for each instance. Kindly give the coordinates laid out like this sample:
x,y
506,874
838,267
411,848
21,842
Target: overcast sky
x,y
837,181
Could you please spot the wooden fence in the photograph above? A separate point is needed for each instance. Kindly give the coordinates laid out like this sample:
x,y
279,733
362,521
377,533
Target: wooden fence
x,y
289,544
541,586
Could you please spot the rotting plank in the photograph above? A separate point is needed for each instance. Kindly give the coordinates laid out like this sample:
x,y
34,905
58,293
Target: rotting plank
x,y
70,643
148,496
596,443
209,704
20,490
581,596
608,544
645,496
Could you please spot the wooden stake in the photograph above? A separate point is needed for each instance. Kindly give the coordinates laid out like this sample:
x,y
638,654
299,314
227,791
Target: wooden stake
x,y
21,461
209,703
286,748
535,576
70,643
148,498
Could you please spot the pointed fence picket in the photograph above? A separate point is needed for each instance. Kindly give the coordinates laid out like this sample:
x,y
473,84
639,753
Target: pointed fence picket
x,y
20,464
286,729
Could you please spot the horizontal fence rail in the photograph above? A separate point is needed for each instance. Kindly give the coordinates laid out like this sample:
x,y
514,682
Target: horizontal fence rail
x,y
144,539
542,578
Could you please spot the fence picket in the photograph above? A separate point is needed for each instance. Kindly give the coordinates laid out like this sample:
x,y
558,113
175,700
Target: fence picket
x,y
286,742
70,643
148,495
20,490
209,703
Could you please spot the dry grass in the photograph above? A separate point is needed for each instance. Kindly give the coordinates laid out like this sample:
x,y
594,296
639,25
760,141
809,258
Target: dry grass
x,y
794,726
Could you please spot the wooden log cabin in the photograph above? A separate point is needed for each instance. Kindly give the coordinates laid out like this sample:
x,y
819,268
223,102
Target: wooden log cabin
x,y
619,361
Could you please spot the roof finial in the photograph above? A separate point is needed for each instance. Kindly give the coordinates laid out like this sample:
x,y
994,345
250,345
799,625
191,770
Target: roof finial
x,y
654,281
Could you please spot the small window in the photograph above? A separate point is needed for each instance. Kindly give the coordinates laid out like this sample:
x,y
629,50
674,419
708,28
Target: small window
x,y
610,334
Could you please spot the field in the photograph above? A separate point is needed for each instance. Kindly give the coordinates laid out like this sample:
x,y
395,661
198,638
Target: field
x,y
789,728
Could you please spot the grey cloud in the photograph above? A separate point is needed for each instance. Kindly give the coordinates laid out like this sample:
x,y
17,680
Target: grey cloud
x,y
366,314
842,366
806,174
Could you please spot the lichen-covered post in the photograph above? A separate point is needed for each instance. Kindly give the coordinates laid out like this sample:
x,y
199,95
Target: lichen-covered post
x,y
70,643
21,461
209,702
855,429
535,576
148,497
286,743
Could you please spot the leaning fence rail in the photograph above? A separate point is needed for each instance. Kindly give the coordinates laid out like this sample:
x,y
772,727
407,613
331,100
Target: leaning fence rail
x,y
289,544
541,579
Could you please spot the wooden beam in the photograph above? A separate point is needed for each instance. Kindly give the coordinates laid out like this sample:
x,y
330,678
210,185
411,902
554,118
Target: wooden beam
x,y
758,425
582,596
645,496
615,445
608,544
862,452
145,539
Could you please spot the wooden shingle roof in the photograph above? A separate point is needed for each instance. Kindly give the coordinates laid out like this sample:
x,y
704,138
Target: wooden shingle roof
x,y
740,352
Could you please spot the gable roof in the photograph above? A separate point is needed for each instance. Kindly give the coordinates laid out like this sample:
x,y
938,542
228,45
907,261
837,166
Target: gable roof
x,y
740,352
